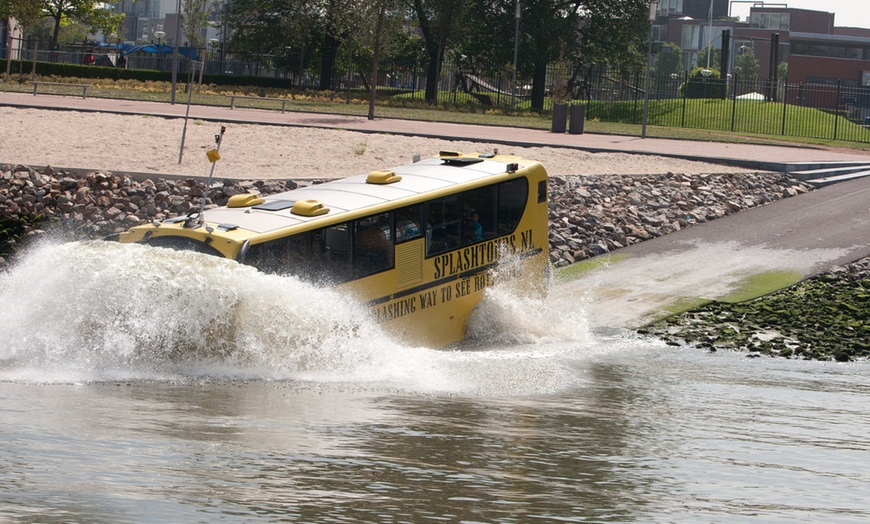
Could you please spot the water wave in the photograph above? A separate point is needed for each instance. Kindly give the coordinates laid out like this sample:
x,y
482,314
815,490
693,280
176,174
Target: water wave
x,y
101,311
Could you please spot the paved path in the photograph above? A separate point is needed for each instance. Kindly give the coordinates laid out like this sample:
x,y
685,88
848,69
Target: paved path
x,y
795,237
762,157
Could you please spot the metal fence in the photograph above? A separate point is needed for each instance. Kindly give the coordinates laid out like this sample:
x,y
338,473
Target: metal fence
x,y
834,111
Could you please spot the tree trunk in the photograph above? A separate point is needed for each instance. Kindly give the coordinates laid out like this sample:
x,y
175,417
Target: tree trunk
x,y
376,51
432,74
539,83
327,62
56,33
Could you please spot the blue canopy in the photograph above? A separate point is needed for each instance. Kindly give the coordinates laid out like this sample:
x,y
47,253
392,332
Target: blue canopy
x,y
163,49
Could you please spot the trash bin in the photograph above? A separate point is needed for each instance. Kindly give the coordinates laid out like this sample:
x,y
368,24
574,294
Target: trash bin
x,y
560,118
578,119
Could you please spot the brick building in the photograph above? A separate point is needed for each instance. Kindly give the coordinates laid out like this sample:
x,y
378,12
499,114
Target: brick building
x,y
816,50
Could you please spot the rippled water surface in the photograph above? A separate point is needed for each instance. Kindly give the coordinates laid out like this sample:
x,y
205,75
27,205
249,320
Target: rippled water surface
x,y
133,389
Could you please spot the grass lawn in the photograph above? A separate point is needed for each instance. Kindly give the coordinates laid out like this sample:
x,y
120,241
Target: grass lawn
x,y
774,120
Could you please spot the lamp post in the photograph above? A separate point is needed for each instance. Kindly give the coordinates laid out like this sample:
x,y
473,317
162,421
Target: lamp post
x,y
159,34
224,27
653,6
516,52
710,36
175,49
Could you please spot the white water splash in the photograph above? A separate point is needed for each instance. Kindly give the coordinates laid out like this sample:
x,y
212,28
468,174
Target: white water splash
x,y
511,315
98,311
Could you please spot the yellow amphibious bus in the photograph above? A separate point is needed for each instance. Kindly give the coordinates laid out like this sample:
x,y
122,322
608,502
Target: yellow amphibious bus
x,y
417,244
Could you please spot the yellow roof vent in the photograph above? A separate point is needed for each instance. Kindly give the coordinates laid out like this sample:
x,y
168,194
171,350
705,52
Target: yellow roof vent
x,y
449,153
245,200
309,208
383,177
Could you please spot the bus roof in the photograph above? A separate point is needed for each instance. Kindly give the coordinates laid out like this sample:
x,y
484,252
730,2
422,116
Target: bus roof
x,y
355,193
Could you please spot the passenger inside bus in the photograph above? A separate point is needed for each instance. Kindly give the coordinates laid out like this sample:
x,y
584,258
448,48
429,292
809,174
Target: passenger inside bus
x,y
408,223
475,230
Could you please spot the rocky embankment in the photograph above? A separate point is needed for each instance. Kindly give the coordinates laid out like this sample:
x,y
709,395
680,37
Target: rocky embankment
x,y
589,216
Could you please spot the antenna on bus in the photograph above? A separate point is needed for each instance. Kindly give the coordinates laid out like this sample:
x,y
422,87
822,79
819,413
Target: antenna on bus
x,y
213,156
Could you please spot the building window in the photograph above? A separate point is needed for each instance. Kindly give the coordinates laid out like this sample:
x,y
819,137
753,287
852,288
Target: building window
x,y
691,37
670,7
779,21
830,51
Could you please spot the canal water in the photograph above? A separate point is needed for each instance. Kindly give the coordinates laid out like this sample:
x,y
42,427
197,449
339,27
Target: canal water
x,y
146,386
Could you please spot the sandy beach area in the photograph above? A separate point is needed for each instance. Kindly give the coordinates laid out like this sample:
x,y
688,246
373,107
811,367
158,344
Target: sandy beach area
x,y
148,144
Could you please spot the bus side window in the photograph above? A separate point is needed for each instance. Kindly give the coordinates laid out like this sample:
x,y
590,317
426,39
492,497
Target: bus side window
x,y
478,215
338,252
442,231
372,244
284,256
542,191
329,260
409,223
512,198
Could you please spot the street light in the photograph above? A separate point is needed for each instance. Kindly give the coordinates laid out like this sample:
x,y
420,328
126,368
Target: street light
x,y
225,11
159,34
653,6
710,36
175,49
516,51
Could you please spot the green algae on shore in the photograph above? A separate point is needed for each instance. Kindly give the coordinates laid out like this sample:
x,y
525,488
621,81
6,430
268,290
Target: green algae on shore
x,y
823,318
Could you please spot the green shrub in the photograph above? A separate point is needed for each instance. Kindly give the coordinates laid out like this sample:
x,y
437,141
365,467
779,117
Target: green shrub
x,y
704,86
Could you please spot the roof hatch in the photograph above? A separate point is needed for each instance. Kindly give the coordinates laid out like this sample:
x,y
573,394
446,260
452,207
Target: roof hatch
x,y
309,208
460,161
382,177
245,200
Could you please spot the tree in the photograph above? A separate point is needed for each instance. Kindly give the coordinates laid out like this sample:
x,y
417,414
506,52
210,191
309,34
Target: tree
x,y
266,24
614,32
439,21
781,77
714,58
277,25
669,60
385,18
488,45
196,13
338,17
91,13
610,32
746,67
568,32
25,12
551,29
